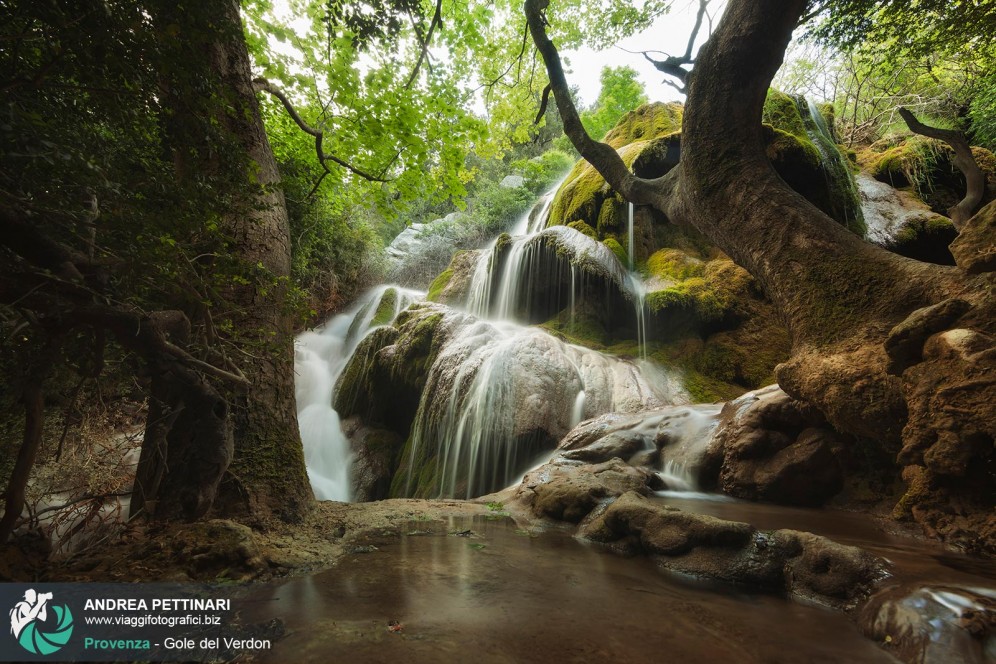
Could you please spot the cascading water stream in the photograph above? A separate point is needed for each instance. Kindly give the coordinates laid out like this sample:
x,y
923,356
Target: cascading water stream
x,y
319,358
499,394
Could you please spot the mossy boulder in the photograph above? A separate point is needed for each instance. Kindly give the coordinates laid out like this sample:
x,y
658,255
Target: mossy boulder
x,y
385,308
781,112
925,238
582,227
645,123
453,283
383,380
613,244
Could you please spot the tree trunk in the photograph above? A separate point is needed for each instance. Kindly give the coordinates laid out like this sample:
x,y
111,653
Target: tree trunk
x,y
964,160
34,418
210,95
868,346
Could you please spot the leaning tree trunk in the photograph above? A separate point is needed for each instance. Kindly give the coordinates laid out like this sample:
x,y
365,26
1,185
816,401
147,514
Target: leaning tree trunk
x,y
890,349
216,135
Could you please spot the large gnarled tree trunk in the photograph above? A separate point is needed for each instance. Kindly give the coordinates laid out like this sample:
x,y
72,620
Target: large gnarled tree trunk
x,y
890,349
267,475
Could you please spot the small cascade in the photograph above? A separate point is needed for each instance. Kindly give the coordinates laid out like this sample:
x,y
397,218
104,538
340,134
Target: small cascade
x,y
632,243
577,413
319,357
535,219
530,277
835,166
639,290
684,437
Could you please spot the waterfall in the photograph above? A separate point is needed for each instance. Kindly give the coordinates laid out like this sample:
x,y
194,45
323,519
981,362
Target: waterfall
x,y
499,394
835,166
319,357
632,242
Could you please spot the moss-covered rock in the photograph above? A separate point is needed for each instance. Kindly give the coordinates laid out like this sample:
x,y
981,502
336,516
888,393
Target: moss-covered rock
x,y
385,309
670,264
645,123
925,166
453,284
613,244
582,227
438,284
781,112
383,380
658,156
926,238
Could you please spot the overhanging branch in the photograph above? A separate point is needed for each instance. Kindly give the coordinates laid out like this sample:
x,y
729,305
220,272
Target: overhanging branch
x,y
600,155
263,85
975,179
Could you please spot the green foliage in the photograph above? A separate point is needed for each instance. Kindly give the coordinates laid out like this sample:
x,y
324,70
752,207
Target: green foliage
x,y
621,92
982,111
936,57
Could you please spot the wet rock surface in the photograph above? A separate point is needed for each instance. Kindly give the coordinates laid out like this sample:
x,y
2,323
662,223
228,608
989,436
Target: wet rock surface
x,y
568,491
933,624
776,449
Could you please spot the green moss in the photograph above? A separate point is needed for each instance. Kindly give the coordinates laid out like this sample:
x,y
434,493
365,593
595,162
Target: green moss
x,y
385,309
584,191
439,284
609,221
646,122
781,112
787,152
582,227
580,197
673,264
694,295
613,244
585,330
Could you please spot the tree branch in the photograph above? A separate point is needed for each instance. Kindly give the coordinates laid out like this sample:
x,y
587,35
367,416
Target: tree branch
x,y
437,19
263,85
674,65
600,155
975,179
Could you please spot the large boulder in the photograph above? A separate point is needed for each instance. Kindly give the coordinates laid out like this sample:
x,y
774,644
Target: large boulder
x,y
569,491
776,449
475,401
802,564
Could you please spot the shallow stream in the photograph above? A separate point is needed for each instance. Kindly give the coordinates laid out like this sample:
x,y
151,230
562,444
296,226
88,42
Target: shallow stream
x,y
503,595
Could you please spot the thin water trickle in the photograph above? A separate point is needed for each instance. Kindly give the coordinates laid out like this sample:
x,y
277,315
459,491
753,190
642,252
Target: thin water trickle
x,y
632,242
